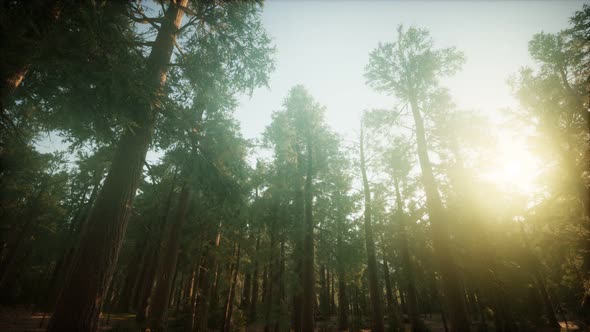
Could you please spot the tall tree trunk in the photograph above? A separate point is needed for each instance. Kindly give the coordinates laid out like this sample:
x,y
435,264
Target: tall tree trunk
x,y
254,298
146,285
229,304
212,320
196,281
151,268
281,288
324,296
202,316
168,260
343,305
308,303
9,262
180,288
245,301
374,288
75,228
271,282
332,293
80,302
410,299
299,207
458,316
131,277
190,285
539,281
395,320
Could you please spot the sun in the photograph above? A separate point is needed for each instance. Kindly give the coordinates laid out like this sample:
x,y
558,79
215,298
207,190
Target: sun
x,y
514,168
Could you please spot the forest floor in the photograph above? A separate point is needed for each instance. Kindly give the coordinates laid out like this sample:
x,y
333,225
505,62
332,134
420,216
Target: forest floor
x,y
21,319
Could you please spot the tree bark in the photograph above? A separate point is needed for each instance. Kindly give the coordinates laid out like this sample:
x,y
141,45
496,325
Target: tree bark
x,y
254,298
245,302
9,263
168,260
132,276
343,305
229,305
374,288
395,320
202,316
80,302
458,316
299,207
271,282
411,305
308,303
150,268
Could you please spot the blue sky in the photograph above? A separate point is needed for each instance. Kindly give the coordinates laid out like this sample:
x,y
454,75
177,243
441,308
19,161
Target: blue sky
x,y
324,45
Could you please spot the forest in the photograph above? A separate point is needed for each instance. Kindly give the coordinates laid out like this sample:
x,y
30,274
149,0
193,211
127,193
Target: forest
x,y
158,214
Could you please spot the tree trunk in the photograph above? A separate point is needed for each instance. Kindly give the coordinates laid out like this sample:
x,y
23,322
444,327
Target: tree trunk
x,y
229,305
299,207
254,298
245,301
539,281
133,271
202,316
212,319
374,288
180,288
9,262
167,265
324,296
395,320
151,268
458,316
281,288
343,305
271,282
308,303
80,302
145,286
410,299
194,297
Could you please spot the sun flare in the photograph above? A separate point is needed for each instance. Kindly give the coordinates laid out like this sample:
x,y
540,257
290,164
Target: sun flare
x,y
514,167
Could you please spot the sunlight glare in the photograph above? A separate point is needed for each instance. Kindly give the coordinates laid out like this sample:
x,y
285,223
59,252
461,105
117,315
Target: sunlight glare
x,y
514,168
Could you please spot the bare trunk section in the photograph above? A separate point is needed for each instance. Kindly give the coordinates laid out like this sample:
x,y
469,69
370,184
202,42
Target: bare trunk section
x,y
202,312
167,265
411,304
80,302
343,305
459,318
534,266
308,303
254,297
245,301
298,246
229,304
15,243
150,269
374,288
131,277
271,284
395,321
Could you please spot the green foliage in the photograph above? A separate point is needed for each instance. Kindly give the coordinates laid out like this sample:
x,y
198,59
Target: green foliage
x,y
410,66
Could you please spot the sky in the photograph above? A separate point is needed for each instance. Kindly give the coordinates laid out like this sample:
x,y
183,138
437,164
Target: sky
x,y
325,46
